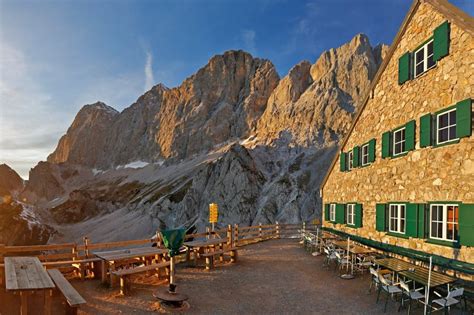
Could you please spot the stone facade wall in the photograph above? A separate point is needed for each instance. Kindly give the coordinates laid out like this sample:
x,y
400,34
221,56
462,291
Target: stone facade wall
x,y
426,174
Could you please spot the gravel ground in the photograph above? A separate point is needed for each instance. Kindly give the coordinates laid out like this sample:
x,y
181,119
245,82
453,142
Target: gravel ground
x,y
273,277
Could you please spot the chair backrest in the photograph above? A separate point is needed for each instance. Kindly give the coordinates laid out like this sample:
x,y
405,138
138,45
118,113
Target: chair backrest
x,y
373,272
404,286
383,280
456,292
326,251
338,255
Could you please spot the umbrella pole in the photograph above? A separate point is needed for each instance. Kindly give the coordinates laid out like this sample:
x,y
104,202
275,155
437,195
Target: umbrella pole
x,y
172,270
427,288
348,275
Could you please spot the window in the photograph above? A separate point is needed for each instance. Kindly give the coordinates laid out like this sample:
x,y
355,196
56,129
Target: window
x,y
397,218
446,126
365,154
399,141
424,59
444,222
350,160
350,214
332,212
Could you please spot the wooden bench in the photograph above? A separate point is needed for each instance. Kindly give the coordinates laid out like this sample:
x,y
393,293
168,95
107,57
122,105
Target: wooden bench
x,y
210,256
125,274
83,263
73,298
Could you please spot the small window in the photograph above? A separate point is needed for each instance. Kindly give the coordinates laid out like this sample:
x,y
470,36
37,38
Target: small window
x,y
332,212
399,140
446,126
365,154
350,160
424,59
444,222
350,214
397,218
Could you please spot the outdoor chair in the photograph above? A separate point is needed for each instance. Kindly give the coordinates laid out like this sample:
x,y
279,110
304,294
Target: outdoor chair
x,y
330,256
409,295
449,300
342,260
389,288
364,263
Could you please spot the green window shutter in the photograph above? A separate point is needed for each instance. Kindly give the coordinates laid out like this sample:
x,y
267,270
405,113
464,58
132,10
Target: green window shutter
x,y
386,144
441,41
340,213
358,215
326,212
464,118
410,136
342,162
411,220
466,224
355,156
425,130
372,150
380,214
404,68
422,217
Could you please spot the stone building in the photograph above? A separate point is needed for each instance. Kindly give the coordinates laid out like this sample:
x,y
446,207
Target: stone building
x,y
404,178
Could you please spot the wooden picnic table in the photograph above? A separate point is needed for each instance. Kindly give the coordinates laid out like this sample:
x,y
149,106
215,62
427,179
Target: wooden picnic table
x,y
203,246
27,275
110,257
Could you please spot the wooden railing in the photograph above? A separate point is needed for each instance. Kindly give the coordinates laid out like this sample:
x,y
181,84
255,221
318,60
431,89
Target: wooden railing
x,y
236,236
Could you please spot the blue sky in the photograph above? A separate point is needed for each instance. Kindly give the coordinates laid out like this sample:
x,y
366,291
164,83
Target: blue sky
x,y
56,56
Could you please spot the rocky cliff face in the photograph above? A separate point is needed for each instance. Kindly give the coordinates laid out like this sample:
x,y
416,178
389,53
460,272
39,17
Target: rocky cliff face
x,y
10,181
222,101
232,133
315,104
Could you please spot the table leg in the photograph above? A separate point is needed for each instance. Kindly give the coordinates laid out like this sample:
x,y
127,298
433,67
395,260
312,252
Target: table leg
x,y
103,272
24,303
111,276
47,301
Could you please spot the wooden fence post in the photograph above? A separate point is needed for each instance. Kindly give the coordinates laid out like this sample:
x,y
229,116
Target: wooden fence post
x,y
236,235
86,246
2,251
229,235
260,231
277,229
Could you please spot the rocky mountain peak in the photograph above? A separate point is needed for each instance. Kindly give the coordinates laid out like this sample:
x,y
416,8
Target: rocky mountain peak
x,y
325,105
10,181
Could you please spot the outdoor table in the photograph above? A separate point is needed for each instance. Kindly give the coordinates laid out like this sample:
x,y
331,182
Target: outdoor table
x,y
420,275
205,244
110,257
354,250
26,275
394,264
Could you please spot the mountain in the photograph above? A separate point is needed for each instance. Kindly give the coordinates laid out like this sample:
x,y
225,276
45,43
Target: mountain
x,y
233,133
17,223
10,181
222,101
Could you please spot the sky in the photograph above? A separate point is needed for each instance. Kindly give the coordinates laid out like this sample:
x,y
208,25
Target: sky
x,y
56,56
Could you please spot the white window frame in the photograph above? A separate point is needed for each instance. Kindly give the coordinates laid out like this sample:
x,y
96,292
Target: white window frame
x,y
425,59
365,156
350,214
444,222
400,222
332,212
438,116
350,160
403,141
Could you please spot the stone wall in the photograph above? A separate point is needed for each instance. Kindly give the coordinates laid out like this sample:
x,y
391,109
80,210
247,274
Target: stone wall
x,y
426,174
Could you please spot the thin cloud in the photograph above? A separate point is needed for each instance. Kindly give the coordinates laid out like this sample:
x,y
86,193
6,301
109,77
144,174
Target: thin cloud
x,y
248,37
149,80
